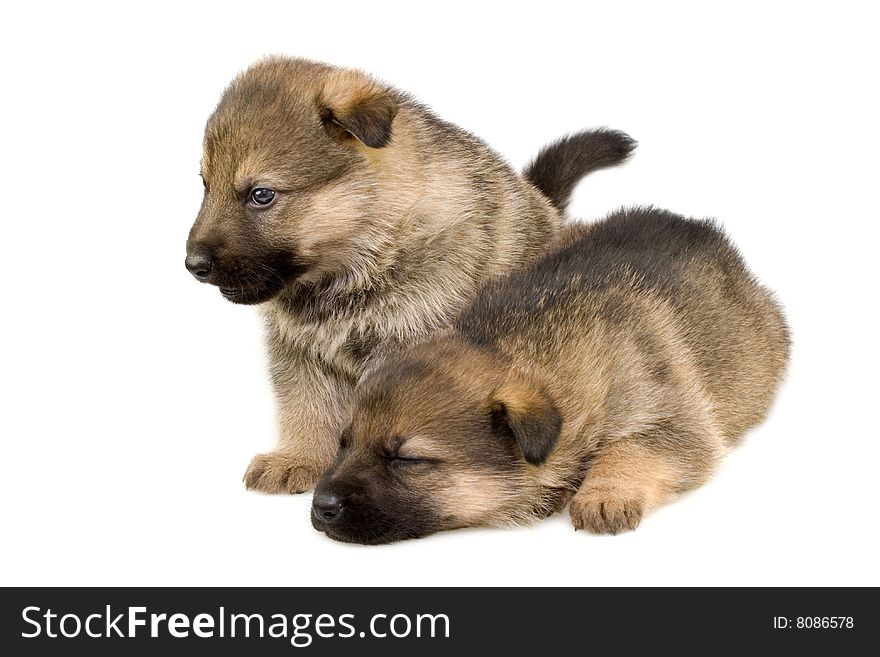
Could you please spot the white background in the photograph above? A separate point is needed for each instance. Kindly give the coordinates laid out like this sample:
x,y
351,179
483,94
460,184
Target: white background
x,y
133,397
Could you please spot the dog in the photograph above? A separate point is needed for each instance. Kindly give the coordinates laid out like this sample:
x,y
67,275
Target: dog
x,y
614,374
360,223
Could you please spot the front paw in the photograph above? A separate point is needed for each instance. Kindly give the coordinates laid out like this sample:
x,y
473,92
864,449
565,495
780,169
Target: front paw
x,y
281,472
604,512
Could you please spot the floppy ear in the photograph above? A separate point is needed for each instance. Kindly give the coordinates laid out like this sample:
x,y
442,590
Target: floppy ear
x,y
353,105
524,409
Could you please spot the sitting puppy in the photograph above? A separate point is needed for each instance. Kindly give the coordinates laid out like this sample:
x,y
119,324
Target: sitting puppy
x,y
362,224
613,373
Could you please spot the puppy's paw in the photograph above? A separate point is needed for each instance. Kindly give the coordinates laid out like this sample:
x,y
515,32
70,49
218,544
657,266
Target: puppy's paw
x,y
281,472
604,512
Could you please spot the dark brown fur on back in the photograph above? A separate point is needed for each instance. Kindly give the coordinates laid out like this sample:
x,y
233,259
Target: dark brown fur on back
x,y
615,373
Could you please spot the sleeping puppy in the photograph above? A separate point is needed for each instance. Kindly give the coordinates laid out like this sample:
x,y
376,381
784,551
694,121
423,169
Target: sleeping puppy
x,y
360,223
613,374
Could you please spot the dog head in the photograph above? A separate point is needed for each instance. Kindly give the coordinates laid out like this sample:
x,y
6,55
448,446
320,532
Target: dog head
x,y
288,188
444,436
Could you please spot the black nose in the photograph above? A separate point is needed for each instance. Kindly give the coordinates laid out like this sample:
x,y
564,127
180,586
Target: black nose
x,y
199,265
326,506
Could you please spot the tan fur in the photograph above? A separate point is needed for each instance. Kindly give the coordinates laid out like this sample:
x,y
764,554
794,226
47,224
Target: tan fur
x,y
396,237
470,498
606,390
346,92
625,482
595,384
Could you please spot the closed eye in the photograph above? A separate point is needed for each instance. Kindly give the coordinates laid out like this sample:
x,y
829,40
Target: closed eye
x,y
397,459
392,455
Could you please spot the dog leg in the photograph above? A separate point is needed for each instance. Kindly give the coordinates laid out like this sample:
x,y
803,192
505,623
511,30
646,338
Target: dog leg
x,y
634,475
313,409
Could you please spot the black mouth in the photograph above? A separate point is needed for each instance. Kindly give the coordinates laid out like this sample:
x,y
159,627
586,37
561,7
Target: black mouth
x,y
252,280
248,296
354,537
252,288
359,540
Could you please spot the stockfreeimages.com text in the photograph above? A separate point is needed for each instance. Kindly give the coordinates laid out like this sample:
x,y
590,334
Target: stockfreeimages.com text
x,y
300,629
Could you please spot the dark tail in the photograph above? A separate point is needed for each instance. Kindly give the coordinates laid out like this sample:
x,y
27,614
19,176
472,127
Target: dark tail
x,y
559,166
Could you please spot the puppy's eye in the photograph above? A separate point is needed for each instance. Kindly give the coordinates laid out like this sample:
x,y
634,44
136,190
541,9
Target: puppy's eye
x,y
343,443
261,196
396,460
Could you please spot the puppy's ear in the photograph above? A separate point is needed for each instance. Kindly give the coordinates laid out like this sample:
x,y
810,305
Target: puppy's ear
x,y
523,408
353,105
